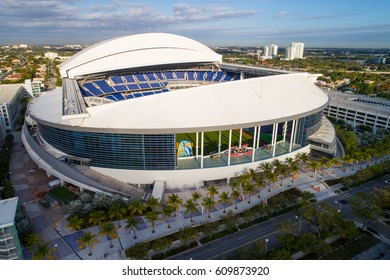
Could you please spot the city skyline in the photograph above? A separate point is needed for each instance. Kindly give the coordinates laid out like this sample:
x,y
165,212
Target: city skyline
x,y
220,23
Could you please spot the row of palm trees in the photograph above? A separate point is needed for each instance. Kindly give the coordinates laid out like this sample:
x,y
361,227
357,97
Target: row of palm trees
x,y
243,187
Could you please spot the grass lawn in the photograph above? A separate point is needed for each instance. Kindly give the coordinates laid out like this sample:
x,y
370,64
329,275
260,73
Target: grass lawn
x,y
211,139
63,195
352,249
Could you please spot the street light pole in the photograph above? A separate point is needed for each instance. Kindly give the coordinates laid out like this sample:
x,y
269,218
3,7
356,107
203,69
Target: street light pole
x,y
339,210
266,242
300,225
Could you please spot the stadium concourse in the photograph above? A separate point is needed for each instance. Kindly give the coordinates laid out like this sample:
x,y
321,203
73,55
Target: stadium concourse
x,y
127,104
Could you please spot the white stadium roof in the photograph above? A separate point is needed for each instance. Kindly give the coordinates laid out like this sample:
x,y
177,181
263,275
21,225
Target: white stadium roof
x,y
243,103
137,51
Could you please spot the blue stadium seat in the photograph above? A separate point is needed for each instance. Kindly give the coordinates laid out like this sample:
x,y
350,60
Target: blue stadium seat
x,y
146,93
218,76
92,89
180,75
160,76
144,86
133,87
169,75
137,95
129,96
121,88
111,97
191,75
104,86
129,78
119,96
141,78
150,76
85,92
117,79
155,85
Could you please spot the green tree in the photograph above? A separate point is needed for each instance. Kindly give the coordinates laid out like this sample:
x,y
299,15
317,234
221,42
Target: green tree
x,y
314,165
175,201
152,218
167,214
75,222
348,230
364,208
43,252
282,171
87,239
196,196
236,195
259,184
294,169
97,217
110,230
209,228
136,207
271,178
138,252
280,254
224,198
116,212
249,190
188,234
153,203
190,207
230,220
132,225
208,203
161,244
32,239
303,158
212,191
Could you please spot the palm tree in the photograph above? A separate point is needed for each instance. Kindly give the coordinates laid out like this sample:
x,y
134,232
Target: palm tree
x,y
43,252
266,167
334,162
152,218
236,194
32,239
196,196
132,224
208,203
153,203
303,158
75,222
314,165
271,177
282,171
289,161
167,213
249,189
116,212
277,164
175,201
136,207
225,199
348,160
252,175
324,162
109,229
87,239
294,169
212,190
190,207
97,217
259,184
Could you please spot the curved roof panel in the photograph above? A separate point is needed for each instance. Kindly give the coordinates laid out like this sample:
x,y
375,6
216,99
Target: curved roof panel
x,y
242,103
137,51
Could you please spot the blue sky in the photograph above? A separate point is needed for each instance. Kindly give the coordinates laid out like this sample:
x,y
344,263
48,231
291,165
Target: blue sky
x,y
330,23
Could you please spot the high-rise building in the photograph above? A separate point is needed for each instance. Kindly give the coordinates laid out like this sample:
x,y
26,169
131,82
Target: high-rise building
x,y
294,51
10,104
9,241
270,50
33,87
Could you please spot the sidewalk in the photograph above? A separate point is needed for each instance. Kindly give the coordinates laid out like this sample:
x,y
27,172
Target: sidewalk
x,y
102,249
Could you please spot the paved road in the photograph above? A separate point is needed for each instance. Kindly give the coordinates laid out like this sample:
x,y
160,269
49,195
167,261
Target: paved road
x,y
267,229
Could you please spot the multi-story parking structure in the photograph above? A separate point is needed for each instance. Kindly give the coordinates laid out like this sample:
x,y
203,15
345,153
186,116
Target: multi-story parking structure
x,y
161,107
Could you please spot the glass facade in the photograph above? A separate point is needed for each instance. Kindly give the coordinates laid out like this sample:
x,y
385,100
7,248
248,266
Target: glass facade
x,y
114,150
307,126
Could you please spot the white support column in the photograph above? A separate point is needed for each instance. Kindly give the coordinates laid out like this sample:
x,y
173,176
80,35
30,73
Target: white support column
x,y
284,130
230,146
197,145
242,75
219,141
201,148
296,130
240,140
275,139
254,144
292,136
258,137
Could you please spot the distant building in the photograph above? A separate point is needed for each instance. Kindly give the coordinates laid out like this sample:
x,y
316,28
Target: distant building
x,y
10,101
23,46
14,77
270,51
294,51
51,55
9,242
33,87
359,109
377,60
